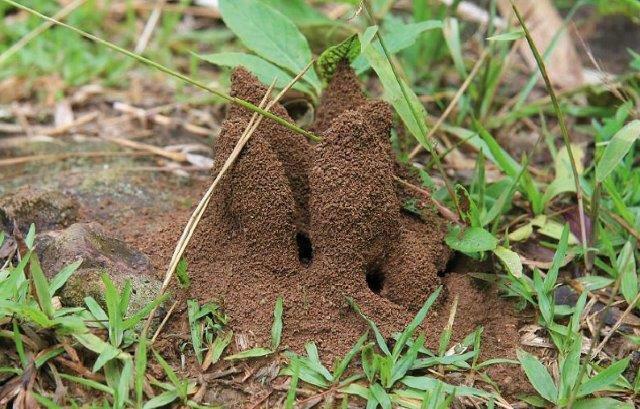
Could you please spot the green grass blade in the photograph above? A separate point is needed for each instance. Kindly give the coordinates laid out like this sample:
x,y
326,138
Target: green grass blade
x,y
293,385
61,278
276,328
344,362
31,236
112,299
415,323
626,267
42,286
563,126
382,343
88,383
140,369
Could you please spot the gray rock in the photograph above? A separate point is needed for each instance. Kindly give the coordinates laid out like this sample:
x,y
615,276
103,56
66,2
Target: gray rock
x,y
100,253
97,249
48,209
88,282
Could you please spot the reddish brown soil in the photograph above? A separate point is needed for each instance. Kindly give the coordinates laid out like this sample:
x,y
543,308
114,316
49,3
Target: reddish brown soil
x,y
316,224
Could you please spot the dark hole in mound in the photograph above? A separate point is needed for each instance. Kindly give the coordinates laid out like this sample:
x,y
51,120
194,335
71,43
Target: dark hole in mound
x,y
375,279
452,265
300,110
305,250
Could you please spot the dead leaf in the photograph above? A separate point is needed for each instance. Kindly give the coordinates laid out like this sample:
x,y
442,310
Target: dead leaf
x,y
543,20
63,114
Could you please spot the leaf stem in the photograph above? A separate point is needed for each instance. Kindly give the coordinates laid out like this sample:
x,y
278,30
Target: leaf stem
x,y
563,129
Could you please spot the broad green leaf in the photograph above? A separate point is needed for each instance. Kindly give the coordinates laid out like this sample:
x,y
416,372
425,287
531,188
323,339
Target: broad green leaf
x,y
397,38
358,390
300,12
223,339
617,148
43,358
307,374
112,299
593,283
538,376
132,321
44,401
161,400
604,379
314,362
61,278
173,377
42,286
405,362
601,403
451,31
105,351
328,61
122,391
264,70
521,233
381,395
427,383
510,260
471,240
276,327
508,36
569,369
182,273
626,267
250,353
17,340
96,310
492,150
410,109
271,35
563,181
553,229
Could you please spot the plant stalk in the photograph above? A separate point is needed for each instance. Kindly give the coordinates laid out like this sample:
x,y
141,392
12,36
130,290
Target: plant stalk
x,y
563,128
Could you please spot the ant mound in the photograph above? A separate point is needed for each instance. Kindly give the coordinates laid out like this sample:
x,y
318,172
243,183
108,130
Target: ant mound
x,y
320,223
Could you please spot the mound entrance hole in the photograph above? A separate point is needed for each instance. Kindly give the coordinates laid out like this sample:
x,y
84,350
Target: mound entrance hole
x,y
375,279
305,249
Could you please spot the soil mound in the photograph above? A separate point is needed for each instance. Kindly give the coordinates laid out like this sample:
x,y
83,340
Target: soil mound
x,y
316,224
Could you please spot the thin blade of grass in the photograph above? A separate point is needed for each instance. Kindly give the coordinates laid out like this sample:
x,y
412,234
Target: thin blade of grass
x,y
563,127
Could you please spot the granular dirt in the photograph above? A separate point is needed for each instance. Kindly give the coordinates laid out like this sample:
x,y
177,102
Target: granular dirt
x,y
316,224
